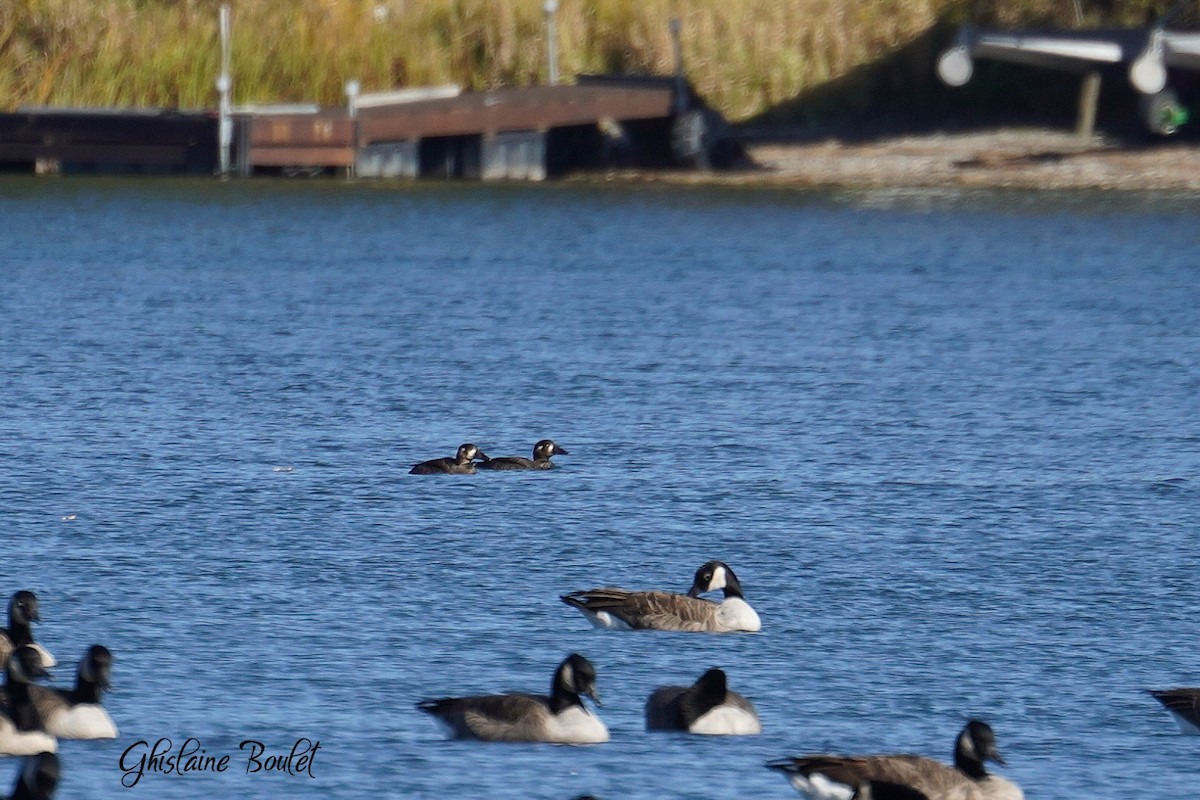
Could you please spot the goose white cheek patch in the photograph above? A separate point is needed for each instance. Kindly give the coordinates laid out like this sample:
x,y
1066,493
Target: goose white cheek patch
x,y
718,579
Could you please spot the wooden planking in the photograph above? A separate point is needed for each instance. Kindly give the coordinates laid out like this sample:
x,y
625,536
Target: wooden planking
x,y
329,128
260,156
330,138
503,110
324,139
457,129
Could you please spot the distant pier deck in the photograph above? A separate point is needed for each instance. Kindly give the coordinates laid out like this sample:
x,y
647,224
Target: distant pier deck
x,y
49,140
504,134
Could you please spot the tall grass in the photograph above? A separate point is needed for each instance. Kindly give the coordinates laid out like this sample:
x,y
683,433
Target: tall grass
x,y
743,55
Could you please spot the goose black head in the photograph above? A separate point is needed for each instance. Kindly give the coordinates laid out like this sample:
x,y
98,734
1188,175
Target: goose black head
x,y
39,777
577,676
715,575
976,744
709,691
96,666
712,682
25,665
23,608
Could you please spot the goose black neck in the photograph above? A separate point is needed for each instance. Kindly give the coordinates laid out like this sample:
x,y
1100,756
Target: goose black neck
x,y
703,696
21,709
560,703
85,691
562,698
21,633
973,767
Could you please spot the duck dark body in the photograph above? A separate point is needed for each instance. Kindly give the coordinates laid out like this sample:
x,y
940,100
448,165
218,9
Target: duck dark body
x,y
542,451
463,463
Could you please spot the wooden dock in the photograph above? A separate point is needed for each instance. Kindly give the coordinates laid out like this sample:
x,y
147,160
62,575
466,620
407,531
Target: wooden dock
x,y
50,141
504,134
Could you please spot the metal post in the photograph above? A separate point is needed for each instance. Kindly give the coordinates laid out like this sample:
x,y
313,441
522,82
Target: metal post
x,y
550,8
353,87
225,87
680,82
1089,98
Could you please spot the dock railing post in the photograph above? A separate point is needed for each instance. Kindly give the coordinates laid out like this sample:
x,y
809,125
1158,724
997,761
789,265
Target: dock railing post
x,y
225,88
680,82
551,7
1089,99
353,88
1089,93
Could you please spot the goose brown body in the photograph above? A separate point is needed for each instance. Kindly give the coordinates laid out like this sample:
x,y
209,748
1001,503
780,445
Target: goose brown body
x,y
827,776
559,717
616,608
77,713
708,706
1184,705
22,732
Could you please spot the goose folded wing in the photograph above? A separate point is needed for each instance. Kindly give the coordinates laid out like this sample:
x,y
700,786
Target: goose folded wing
x,y
923,775
510,717
652,610
1182,701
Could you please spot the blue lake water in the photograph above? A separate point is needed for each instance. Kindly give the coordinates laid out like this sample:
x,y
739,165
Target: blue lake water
x,y
949,442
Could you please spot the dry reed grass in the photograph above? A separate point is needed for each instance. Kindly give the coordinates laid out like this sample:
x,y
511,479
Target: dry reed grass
x,y
744,56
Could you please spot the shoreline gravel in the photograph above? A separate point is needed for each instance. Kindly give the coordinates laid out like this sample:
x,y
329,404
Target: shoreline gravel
x,y
999,159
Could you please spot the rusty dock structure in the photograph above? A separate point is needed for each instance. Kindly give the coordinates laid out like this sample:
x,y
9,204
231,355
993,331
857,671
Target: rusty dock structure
x,y
530,133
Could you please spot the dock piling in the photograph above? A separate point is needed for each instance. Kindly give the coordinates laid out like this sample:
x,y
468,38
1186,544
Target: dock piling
x,y
353,88
225,110
551,8
1089,99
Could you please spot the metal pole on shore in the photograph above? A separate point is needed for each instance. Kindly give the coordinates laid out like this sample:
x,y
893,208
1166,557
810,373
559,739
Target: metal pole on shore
x,y
353,88
225,110
551,7
680,82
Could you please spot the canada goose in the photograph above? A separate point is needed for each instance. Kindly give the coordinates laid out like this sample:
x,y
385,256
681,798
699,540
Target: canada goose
x,y
621,609
541,458
461,464
22,610
76,713
1184,705
21,730
707,706
560,718
37,779
826,777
